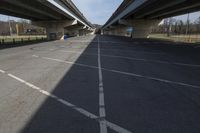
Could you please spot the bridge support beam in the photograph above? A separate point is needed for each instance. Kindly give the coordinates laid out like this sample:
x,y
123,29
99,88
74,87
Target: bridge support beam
x,y
120,30
141,27
55,29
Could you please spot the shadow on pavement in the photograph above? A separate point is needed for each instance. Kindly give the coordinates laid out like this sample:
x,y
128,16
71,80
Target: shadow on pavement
x,y
138,105
79,86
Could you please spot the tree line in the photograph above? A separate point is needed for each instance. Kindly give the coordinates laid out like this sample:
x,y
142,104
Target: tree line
x,y
20,27
175,26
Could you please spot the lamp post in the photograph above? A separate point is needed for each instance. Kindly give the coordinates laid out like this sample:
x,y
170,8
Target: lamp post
x,y
10,28
188,22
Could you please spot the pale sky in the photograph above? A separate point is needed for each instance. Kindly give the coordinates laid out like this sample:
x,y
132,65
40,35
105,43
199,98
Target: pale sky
x,y
99,11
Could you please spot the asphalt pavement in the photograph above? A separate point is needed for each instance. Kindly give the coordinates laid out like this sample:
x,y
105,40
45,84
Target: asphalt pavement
x,y
100,84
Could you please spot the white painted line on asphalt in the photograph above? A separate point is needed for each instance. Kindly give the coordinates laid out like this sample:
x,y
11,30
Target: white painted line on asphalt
x,y
155,61
152,78
89,41
135,51
69,62
137,59
184,64
118,42
70,105
2,71
35,56
113,127
134,42
102,112
16,78
127,73
198,46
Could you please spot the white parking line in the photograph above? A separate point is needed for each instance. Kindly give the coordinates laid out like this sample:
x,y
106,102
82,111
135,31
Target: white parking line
x,y
137,59
127,73
108,42
2,71
153,78
69,62
133,42
70,105
35,56
135,51
102,112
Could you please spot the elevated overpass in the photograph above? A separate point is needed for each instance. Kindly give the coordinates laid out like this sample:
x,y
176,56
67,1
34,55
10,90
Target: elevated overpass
x,y
143,14
57,16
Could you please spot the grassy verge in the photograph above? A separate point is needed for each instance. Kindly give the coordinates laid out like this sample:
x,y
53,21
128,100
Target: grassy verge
x,y
20,39
178,38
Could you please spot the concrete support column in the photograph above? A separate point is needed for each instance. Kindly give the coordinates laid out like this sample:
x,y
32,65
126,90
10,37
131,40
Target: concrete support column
x,y
141,27
120,30
76,30
54,29
86,31
107,32
110,31
82,32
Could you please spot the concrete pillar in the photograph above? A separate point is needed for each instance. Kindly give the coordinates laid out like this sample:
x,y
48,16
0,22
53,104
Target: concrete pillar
x,y
141,27
86,31
54,29
120,30
76,30
83,32
107,32
79,30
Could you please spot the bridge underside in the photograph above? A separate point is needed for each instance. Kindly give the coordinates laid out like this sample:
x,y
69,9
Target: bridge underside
x,y
57,29
141,15
162,9
45,14
32,10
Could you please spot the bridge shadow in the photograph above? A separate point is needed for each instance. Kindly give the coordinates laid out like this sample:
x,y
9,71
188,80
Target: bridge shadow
x,y
79,86
180,50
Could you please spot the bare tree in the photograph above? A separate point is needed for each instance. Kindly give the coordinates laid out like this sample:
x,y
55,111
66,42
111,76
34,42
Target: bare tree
x,y
180,26
168,23
197,24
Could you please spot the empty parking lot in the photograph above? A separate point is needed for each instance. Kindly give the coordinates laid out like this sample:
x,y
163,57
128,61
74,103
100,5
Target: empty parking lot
x,y
99,84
